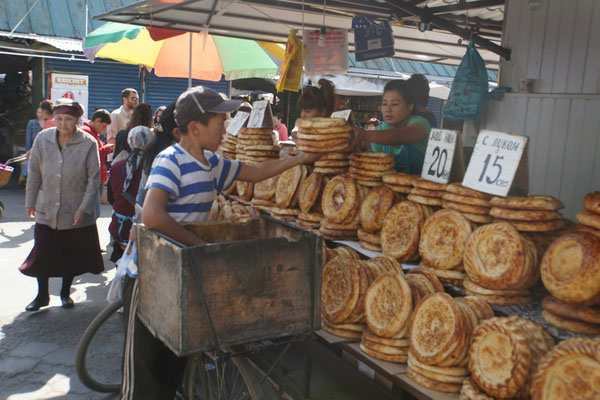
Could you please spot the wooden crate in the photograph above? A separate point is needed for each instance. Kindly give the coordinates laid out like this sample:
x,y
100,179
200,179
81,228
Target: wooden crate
x,y
261,280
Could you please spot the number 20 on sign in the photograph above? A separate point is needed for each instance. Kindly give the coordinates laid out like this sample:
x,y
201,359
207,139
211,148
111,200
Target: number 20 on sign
x,y
494,162
439,155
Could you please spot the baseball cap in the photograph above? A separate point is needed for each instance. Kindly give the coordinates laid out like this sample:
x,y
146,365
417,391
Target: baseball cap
x,y
199,100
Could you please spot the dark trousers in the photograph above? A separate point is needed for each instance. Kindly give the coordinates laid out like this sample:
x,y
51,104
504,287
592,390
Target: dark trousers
x,y
158,372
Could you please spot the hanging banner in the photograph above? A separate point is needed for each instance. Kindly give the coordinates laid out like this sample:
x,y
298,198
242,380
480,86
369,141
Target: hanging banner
x,y
291,69
371,39
70,86
326,52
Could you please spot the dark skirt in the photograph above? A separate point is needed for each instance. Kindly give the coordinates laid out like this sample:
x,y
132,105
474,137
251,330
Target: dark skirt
x,y
63,253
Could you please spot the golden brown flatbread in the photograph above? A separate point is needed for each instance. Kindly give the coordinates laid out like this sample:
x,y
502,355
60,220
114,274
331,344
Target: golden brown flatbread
x,y
467,208
309,191
570,310
457,198
400,179
332,163
477,218
429,201
470,391
431,384
591,202
375,207
320,122
401,230
340,199
425,184
342,332
366,166
326,136
482,291
388,305
532,202
368,173
572,325
589,218
570,268
524,215
584,228
427,192
537,226
244,189
340,289
399,188
401,358
444,238
266,189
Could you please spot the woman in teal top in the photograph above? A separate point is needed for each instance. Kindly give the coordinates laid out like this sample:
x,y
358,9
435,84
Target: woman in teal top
x,y
402,134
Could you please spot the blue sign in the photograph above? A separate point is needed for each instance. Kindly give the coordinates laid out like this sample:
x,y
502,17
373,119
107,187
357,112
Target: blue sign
x,y
371,39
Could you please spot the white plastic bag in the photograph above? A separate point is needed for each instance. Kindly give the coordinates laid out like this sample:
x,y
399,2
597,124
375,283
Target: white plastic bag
x,y
115,291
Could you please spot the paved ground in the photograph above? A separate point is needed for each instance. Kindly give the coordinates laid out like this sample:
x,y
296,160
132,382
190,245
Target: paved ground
x,y
37,350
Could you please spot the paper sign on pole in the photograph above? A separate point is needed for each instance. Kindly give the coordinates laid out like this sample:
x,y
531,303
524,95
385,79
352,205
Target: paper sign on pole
x,y
444,161
261,115
345,114
70,86
238,122
499,164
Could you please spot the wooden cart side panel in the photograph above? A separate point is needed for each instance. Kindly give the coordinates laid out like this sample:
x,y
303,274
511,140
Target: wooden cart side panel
x,y
254,290
160,286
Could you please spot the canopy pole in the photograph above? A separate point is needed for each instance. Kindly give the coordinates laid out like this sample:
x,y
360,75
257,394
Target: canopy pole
x,y
190,65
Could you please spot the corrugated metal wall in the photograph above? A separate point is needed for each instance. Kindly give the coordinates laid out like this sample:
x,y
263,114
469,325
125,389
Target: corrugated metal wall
x,y
107,79
557,45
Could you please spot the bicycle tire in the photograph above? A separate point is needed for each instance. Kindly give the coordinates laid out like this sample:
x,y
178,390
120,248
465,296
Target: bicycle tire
x,y
82,348
248,372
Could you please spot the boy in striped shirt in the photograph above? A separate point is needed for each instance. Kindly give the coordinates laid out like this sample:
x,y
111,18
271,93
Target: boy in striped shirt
x,y
184,180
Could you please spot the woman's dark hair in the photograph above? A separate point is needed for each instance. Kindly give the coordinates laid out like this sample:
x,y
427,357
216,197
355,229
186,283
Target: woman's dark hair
x,y
420,88
46,105
142,115
403,88
162,139
321,98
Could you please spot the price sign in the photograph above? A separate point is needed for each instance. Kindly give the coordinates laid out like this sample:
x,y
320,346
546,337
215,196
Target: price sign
x,y
238,122
261,115
345,114
439,157
497,158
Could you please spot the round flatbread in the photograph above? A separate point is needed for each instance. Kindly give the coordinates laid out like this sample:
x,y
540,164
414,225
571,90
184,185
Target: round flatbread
x,y
400,179
468,208
310,149
371,337
340,199
432,384
320,122
482,291
367,173
533,202
372,238
570,310
570,268
388,305
261,202
353,226
446,371
327,137
321,143
427,192
524,215
309,191
477,218
459,189
332,163
266,189
537,226
437,377
368,184
429,201
470,391
401,230
369,246
572,325
331,170
384,160
444,274
286,186
340,289
569,371
335,156
591,202
424,184
326,131
398,188
375,207
444,238
501,300
584,228
311,217
372,167
457,198
284,211
589,218
244,189
400,358
342,332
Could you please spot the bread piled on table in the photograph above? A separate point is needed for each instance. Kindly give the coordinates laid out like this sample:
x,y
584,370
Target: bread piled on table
x,y
570,271
373,211
501,264
400,182
427,193
309,201
256,145
504,355
340,204
226,210
401,230
287,192
440,334
528,214
472,204
442,245
368,168
331,164
569,371
230,146
323,135
389,305
589,218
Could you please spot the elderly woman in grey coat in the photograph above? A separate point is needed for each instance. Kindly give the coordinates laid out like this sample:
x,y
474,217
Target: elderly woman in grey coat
x,y
64,175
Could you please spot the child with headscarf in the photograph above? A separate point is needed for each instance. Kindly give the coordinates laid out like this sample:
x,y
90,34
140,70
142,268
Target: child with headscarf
x,y
125,177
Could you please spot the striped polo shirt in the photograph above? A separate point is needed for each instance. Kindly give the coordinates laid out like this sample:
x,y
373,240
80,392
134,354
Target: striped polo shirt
x,y
192,186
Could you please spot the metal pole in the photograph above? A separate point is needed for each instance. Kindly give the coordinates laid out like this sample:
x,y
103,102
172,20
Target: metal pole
x,y
190,67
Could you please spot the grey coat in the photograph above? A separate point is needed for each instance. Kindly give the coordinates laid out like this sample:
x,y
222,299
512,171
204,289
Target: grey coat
x,y
60,182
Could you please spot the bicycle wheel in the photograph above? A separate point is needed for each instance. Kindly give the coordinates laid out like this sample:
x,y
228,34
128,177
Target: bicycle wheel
x,y
233,379
82,350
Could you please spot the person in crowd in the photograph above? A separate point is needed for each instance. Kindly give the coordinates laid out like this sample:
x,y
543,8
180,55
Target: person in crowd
x,y
141,116
121,116
157,114
372,124
184,180
317,101
64,174
34,126
402,133
47,106
99,122
282,131
125,177
419,85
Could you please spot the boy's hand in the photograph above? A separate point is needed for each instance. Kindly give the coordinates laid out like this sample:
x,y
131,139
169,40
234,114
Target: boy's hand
x,y
309,158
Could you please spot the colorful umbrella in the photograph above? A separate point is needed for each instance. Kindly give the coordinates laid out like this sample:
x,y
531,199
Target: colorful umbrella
x,y
168,52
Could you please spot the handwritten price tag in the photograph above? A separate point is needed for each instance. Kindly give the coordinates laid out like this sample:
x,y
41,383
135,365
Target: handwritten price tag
x,y
261,115
345,114
439,156
495,161
238,122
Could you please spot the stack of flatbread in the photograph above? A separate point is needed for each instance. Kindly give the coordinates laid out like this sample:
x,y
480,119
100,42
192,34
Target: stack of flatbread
x,y
571,272
345,281
227,210
427,193
504,356
335,163
589,219
474,205
287,192
372,213
501,264
323,135
264,194
528,214
442,246
368,168
440,334
401,230
256,145
340,201
344,251
229,146
569,371
400,182
309,201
